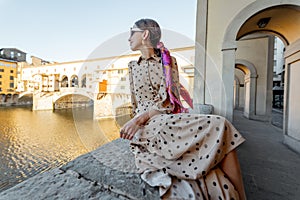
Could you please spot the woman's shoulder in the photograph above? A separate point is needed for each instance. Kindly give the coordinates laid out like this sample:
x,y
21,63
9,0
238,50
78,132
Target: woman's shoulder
x,y
132,63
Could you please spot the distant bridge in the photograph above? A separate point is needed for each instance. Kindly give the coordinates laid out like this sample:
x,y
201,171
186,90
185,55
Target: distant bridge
x,y
105,104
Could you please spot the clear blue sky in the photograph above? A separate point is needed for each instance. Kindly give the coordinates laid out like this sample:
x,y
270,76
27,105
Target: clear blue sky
x,y
66,30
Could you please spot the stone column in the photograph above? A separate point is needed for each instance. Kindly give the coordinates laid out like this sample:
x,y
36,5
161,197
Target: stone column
x,y
200,60
236,93
270,78
252,106
226,108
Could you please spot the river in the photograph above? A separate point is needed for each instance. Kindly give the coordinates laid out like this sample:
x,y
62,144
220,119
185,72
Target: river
x,y
32,142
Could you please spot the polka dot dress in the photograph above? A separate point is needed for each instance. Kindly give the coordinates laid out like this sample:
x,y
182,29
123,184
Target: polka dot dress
x,y
179,153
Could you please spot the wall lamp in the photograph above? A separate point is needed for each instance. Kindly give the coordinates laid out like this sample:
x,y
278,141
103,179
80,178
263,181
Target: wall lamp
x,y
263,22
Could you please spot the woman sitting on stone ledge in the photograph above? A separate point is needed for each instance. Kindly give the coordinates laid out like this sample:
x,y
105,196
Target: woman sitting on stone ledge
x,y
188,156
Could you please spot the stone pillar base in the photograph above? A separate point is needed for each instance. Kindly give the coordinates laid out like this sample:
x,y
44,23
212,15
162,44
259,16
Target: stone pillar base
x,y
292,143
202,109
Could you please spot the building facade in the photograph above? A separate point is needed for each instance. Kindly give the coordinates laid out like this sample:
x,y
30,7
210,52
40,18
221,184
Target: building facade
x,y
9,59
8,75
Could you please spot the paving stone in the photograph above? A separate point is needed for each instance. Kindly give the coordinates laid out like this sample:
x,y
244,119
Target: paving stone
x,y
270,169
88,178
57,184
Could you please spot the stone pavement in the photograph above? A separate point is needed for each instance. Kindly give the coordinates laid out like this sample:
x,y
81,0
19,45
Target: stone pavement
x,y
271,171
108,173
277,118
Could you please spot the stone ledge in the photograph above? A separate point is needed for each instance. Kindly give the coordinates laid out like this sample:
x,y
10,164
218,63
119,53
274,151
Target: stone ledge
x,y
107,173
202,109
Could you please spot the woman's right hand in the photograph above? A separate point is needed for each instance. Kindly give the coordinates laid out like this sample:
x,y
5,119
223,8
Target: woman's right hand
x,y
129,129
132,126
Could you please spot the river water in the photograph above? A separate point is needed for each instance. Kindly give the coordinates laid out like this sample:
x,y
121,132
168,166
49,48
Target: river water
x,y
32,142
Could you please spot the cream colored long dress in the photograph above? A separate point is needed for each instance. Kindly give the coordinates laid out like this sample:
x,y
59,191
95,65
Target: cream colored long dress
x,y
179,153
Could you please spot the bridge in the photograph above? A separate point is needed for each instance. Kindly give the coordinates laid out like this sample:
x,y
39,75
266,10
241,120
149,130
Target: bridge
x,y
106,104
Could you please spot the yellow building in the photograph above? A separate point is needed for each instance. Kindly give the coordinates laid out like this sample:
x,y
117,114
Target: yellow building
x,y
8,75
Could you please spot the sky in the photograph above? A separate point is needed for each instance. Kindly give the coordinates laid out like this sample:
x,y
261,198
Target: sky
x,y
69,30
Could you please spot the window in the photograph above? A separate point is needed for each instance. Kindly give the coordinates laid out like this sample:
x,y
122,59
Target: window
x,y
11,85
120,71
0,76
12,54
0,82
11,71
1,70
0,89
11,78
123,78
19,54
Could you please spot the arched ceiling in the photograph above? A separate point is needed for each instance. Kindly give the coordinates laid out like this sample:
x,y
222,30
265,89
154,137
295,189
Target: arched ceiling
x,y
243,68
284,21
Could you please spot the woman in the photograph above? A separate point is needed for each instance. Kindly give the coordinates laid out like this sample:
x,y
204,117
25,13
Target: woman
x,y
189,156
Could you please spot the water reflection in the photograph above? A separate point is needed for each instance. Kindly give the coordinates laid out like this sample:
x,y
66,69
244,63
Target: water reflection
x,y
33,142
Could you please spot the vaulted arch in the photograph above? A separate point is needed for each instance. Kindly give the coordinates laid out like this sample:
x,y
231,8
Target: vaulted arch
x,y
277,18
244,23
250,86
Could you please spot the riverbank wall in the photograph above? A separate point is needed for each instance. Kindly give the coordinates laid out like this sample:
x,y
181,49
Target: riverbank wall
x,y
108,172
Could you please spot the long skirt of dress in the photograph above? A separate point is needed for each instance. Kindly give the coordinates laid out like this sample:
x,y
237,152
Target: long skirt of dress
x,y
180,154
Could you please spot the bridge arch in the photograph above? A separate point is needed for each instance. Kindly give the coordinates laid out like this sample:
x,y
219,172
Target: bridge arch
x,y
250,73
27,93
76,91
75,97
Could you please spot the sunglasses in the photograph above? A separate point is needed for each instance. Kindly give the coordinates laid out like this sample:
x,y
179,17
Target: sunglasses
x,y
133,30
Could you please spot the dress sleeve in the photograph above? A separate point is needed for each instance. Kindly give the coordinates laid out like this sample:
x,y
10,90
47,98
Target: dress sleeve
x,y
157,78
133,100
